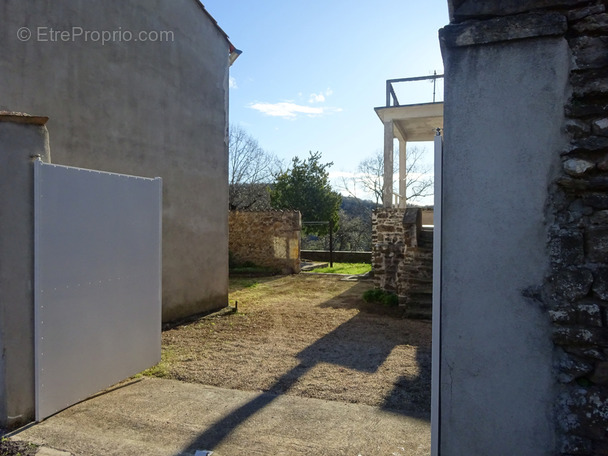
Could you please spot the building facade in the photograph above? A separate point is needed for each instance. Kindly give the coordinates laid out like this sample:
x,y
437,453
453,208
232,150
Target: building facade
x,y
136,87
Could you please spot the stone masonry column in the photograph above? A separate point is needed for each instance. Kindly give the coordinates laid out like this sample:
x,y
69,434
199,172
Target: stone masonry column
x,y
23,139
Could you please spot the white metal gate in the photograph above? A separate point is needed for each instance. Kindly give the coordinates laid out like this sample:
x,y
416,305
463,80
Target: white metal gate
x,y
97,281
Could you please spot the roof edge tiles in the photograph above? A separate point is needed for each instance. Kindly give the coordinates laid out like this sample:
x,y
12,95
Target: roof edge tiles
x,y
232,48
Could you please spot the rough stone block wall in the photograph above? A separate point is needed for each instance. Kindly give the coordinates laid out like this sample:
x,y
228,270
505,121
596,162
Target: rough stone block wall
x,y
577,290
389,243
399,264
270,239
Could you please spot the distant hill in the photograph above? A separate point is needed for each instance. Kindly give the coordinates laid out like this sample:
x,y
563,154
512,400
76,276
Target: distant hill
x,y
356,207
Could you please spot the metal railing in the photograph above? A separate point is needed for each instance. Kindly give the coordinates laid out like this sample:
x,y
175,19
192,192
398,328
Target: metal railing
x,y
330,224
390,90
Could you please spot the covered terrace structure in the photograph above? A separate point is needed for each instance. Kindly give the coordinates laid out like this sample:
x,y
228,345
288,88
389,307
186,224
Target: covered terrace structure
x,y
410,122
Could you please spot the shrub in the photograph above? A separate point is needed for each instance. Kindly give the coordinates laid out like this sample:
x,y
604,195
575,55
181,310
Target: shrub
x,y
383,297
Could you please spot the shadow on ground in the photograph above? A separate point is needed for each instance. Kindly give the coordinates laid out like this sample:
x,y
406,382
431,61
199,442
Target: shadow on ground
x,y
353,336
241,281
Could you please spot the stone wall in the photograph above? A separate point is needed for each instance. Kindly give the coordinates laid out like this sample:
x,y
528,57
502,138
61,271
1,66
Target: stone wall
x,y
576,291
400,262
526,83
270,239
389,243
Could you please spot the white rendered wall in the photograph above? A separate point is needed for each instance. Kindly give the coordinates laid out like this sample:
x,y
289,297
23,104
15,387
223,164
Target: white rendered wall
x,y
145,108
503,138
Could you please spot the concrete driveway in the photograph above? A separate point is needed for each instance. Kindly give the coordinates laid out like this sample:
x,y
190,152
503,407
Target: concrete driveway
x,y
151,416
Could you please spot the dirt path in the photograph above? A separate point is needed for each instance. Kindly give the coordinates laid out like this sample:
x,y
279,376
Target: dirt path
x,y
310,336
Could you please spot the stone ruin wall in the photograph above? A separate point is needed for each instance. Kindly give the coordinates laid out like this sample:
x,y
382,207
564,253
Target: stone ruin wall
x,y
270,239
398,264
575,293
389,245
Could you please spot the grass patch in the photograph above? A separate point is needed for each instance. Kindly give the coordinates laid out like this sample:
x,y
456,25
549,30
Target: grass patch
x,y
236,283
239,283
253,271
346,268
161,370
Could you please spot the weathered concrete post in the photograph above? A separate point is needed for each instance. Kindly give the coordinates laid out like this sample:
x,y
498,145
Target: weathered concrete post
x,y
23,139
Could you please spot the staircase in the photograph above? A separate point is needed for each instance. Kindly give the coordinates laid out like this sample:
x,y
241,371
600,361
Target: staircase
x,y
416,292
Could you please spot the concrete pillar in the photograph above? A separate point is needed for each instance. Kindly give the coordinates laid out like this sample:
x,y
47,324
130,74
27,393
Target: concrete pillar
x,y
402,174
23,139
387,186
498,387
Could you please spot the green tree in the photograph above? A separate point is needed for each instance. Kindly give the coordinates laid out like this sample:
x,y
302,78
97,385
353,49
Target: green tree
x,y
305,187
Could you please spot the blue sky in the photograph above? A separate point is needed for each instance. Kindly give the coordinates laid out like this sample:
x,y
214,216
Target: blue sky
x,y
312,71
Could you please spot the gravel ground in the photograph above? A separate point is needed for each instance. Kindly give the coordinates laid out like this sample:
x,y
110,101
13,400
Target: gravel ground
x,y
310,336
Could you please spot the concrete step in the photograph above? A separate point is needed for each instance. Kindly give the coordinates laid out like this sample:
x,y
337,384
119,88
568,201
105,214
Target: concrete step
x,y
416,274
417,310
417,270
423,295
420,279
419,262
421,255
425,238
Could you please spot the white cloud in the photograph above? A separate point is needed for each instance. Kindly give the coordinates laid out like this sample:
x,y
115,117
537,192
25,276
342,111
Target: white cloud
x,y
232,83
316,98
346,174
320,97
290,110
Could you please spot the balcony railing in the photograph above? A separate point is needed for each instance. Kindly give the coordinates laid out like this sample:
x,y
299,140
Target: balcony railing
x,y
391,96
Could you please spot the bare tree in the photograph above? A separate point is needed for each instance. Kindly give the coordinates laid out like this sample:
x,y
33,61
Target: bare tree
x,y
370,176
418,178
250,170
